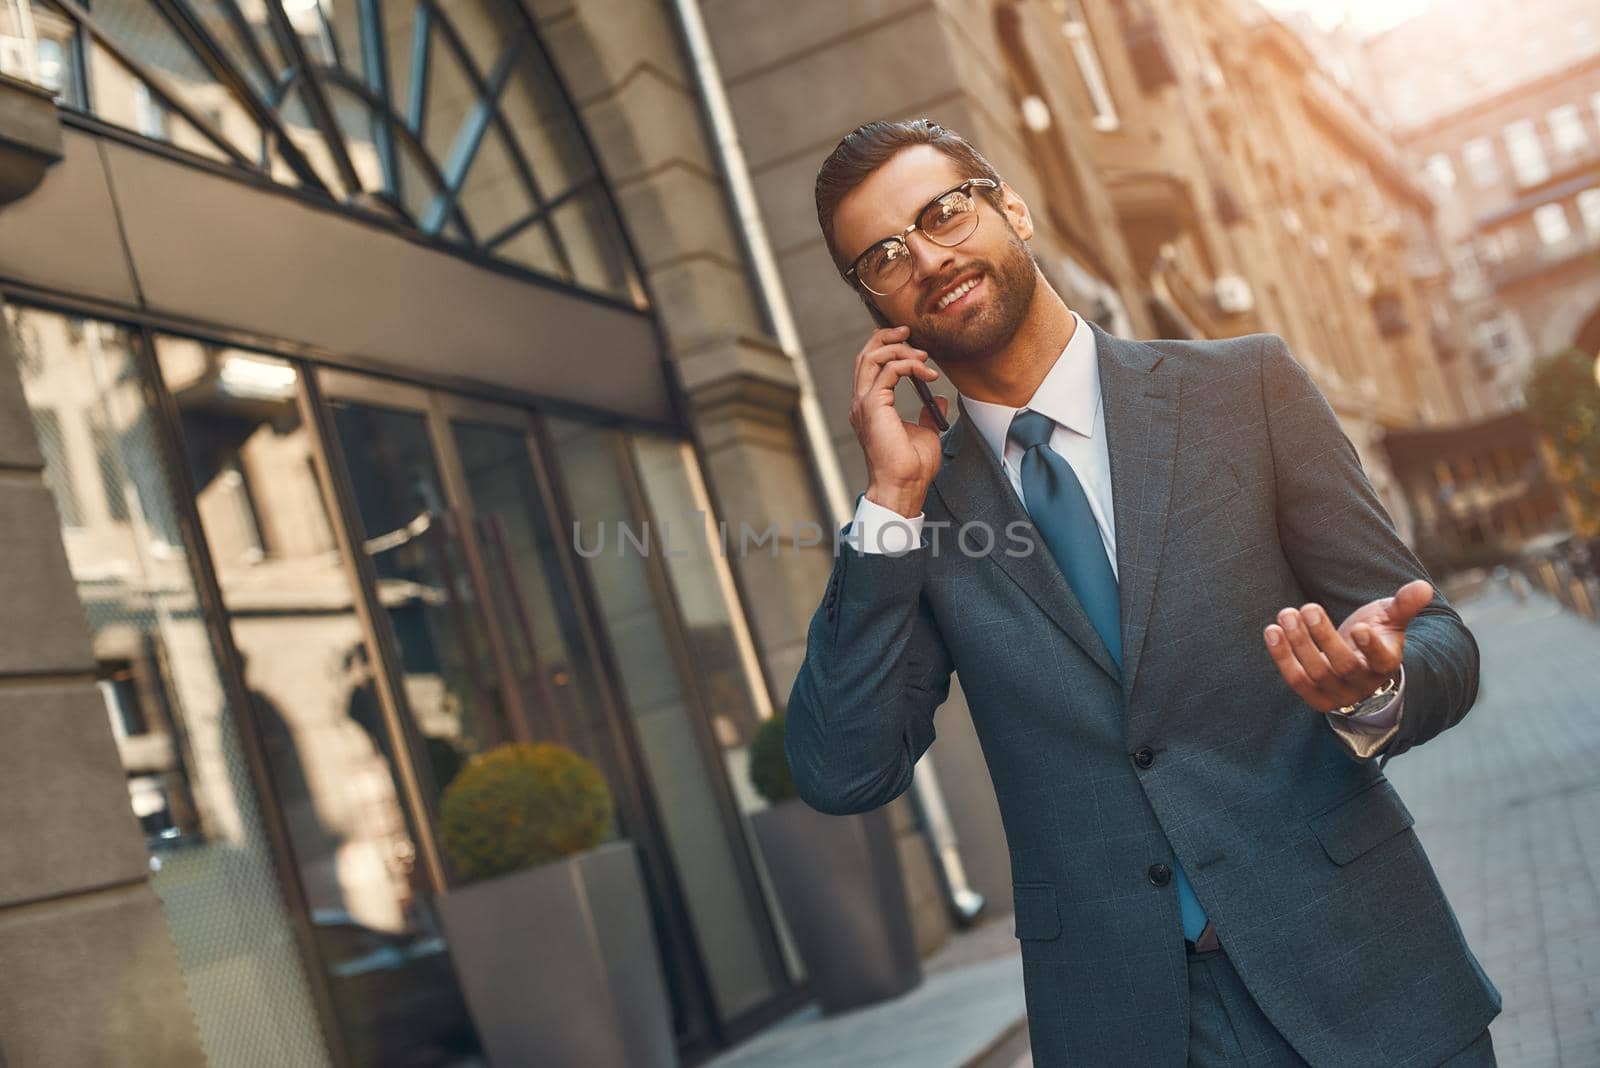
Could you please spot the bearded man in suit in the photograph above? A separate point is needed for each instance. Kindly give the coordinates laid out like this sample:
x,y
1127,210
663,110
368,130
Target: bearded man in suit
x,y
1188,634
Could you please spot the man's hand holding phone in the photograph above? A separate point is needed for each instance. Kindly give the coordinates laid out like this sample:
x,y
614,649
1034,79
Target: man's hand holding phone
x,y
902,457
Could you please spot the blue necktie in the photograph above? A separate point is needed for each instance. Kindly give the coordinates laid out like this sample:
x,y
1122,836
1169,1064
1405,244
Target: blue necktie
x,y
1060,510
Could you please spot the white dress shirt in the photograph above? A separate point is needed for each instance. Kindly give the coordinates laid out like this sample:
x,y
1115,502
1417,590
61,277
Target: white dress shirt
x,y
1070,394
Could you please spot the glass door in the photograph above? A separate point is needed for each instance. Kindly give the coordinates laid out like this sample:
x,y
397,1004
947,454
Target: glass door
x,y
505,628
450,659
552,653
504,509
488,619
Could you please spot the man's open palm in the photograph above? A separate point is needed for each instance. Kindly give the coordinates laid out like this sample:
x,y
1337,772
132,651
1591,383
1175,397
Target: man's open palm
x,y
1330,668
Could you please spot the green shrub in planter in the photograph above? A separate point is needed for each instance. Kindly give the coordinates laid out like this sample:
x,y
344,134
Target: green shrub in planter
x,y
522,804
769,767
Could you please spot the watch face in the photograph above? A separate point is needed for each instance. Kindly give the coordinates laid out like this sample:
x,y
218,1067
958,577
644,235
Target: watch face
x,y
1373,702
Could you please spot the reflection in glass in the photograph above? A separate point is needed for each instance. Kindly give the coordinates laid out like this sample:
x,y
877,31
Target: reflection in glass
x,y
558,679
188,779
411,535
120,96
54,59
662,688
394,107
592,243
292,614
727,669
494,197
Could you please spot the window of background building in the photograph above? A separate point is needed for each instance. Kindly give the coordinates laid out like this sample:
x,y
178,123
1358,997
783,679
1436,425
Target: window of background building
x,y
1478,154
1496,338
1464,263
1441,171
1075,28
1589,210
1552,224
1506,243
180,740
1567,130
1489,250
1528,162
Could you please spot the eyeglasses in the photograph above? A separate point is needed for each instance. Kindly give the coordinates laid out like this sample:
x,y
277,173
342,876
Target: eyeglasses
x,y
948,219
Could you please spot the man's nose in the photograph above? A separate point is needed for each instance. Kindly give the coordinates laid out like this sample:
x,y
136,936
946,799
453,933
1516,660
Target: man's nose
x,y
927,257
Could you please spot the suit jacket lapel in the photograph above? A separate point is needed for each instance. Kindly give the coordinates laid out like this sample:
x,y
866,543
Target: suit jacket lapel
x,y
1140,396
1140,402
975,489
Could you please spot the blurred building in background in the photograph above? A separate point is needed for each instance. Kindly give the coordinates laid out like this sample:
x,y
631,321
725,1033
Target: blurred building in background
x,y
327,322
1497,109
1500,112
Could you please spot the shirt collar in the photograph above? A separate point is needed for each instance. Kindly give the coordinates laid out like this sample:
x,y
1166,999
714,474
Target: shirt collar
x,y
1069,393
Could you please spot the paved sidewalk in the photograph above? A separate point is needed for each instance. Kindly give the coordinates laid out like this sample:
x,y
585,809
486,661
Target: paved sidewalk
x,y
970,997
1508,807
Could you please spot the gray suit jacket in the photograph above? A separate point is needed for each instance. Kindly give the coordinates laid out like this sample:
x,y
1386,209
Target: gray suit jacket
x,y
1236,493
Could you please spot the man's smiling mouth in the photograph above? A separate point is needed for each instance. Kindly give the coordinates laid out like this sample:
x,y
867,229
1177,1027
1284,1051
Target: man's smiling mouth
x,y
955,295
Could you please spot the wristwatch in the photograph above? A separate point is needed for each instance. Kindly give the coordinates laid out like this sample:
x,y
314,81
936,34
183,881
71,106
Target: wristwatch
x,y
1374,700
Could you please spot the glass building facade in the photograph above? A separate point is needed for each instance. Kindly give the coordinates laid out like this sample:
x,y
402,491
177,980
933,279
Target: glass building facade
x,y
318,584
443,119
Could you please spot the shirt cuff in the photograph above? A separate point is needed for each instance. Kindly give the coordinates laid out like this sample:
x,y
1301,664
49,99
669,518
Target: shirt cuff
x,y
877,529
1365,735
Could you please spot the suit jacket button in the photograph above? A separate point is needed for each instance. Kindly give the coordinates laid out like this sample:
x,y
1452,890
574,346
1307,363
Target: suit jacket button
x,y
1160,874
1144,756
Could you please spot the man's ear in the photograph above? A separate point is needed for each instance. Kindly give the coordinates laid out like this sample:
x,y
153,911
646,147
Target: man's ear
x,y
1016,211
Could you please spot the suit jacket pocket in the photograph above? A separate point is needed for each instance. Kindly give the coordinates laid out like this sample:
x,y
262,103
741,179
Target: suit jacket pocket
x,y
1036,914
1361,821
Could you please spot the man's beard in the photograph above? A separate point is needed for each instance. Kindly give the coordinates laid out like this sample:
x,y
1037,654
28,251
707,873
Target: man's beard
x,y
965,339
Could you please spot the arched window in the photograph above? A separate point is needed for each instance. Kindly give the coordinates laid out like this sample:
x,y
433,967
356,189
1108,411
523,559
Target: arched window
x,y
446,119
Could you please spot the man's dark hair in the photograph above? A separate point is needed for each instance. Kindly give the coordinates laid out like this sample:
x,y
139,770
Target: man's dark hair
x,y
871,145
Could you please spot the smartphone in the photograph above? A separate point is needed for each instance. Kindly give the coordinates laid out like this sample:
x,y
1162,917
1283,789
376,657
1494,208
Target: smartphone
x,y
922,388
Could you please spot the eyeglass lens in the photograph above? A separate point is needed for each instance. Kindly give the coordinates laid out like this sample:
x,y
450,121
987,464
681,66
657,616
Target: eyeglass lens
x,y
947,221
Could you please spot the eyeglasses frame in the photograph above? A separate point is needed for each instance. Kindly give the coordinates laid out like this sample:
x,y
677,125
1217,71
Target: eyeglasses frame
x,y
915,225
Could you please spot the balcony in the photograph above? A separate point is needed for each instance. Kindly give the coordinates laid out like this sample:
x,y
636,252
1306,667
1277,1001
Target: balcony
x,y
30,136
1153,208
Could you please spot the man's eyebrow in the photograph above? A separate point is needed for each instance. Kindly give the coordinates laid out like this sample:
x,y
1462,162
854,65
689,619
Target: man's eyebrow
x,y
924,206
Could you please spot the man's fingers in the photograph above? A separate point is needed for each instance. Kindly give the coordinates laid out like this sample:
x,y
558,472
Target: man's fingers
x,y
1305,649
1330,688
1347,661
876,362
1382,656
874,352
1410,599
1288,665
890,373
